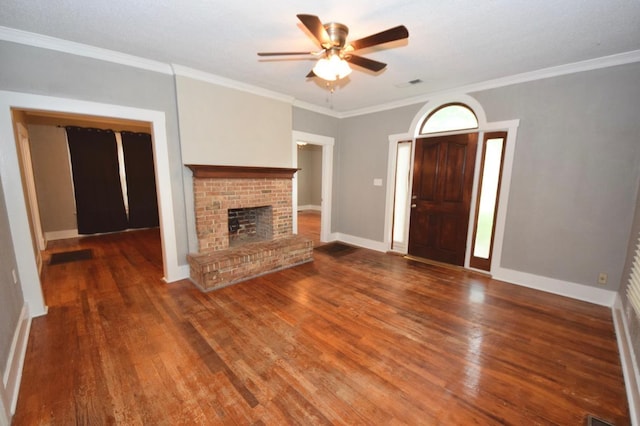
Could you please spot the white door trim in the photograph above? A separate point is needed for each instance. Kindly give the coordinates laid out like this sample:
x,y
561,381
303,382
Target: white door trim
x,y
25,157
327,144
510,126
14,193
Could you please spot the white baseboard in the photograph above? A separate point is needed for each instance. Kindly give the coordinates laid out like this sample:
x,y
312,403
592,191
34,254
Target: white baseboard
x,y
13,373
577,291
310,207
360,242
5,418
582,292
61,235
628,361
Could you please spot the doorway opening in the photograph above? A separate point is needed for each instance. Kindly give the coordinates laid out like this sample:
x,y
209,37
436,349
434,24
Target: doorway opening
x,y
312,185
15,192
309,179
45,159
480,231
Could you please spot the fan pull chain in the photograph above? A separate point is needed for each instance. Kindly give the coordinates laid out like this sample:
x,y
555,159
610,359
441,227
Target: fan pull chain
x,y
332,89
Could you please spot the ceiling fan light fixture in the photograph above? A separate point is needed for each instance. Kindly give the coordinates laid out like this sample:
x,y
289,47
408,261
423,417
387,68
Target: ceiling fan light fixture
x,y
332,68
332,39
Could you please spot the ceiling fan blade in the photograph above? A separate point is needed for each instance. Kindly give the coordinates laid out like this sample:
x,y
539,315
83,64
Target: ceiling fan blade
x,y
367,63
311,74
392,34
314,25
283,53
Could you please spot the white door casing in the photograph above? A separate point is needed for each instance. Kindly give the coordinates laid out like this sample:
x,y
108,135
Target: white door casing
x,y
510,126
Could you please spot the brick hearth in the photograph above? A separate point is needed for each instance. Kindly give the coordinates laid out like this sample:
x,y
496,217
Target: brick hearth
x,y
217,189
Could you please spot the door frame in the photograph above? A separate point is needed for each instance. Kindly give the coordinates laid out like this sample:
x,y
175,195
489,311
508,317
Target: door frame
x,y
25,159
14,192
510,126
327,144
30,188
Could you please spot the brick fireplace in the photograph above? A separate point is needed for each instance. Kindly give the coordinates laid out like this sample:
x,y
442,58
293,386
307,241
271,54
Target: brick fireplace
x,y
244,224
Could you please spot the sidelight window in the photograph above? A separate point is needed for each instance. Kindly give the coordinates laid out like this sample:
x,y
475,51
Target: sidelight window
x,y
487,204
401,195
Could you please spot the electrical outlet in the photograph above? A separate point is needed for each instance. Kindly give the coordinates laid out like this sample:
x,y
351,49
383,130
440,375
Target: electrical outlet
x,y
15,276
602,278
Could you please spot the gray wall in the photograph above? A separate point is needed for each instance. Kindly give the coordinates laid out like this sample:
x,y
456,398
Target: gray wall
x,y
11,300
52,176
45,72
575,174
310,175
315,123
361,156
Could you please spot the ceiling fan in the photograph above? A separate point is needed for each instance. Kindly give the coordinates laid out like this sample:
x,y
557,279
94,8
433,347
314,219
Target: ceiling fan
x,y
336,54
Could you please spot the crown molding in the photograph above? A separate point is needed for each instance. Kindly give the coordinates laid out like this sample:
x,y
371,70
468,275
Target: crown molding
x,y
183,71
316,108
60,45
575,67
65,46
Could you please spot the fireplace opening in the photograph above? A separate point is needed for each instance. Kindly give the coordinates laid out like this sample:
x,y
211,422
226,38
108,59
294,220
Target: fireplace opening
x,y
249,225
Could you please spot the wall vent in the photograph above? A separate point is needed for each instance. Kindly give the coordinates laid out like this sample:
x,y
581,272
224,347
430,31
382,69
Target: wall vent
x,y
409,83
633,288
594,421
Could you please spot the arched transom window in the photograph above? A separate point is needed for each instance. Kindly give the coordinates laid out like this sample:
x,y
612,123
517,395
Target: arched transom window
x,y
448,118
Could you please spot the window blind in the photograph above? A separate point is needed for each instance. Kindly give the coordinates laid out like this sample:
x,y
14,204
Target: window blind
x,y
633,288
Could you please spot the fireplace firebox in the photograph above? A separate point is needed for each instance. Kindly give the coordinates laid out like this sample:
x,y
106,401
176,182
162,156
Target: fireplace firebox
x,y
249,225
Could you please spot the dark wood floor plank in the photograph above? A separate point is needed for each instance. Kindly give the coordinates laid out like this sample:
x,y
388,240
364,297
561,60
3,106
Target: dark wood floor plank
x,y
362,338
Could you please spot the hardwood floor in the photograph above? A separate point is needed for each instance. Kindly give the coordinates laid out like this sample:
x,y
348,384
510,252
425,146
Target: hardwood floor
x,y
356,337
309,225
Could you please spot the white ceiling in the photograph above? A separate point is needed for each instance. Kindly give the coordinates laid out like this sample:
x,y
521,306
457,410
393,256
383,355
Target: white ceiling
x,y
451,43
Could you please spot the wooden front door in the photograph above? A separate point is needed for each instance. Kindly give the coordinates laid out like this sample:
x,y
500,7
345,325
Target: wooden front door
x,y
441,197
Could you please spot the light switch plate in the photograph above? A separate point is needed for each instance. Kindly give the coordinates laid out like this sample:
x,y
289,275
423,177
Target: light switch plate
x,y
377,182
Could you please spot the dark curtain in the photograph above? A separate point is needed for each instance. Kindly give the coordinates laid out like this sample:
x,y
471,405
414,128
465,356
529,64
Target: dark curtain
x,y
96,180
141,180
